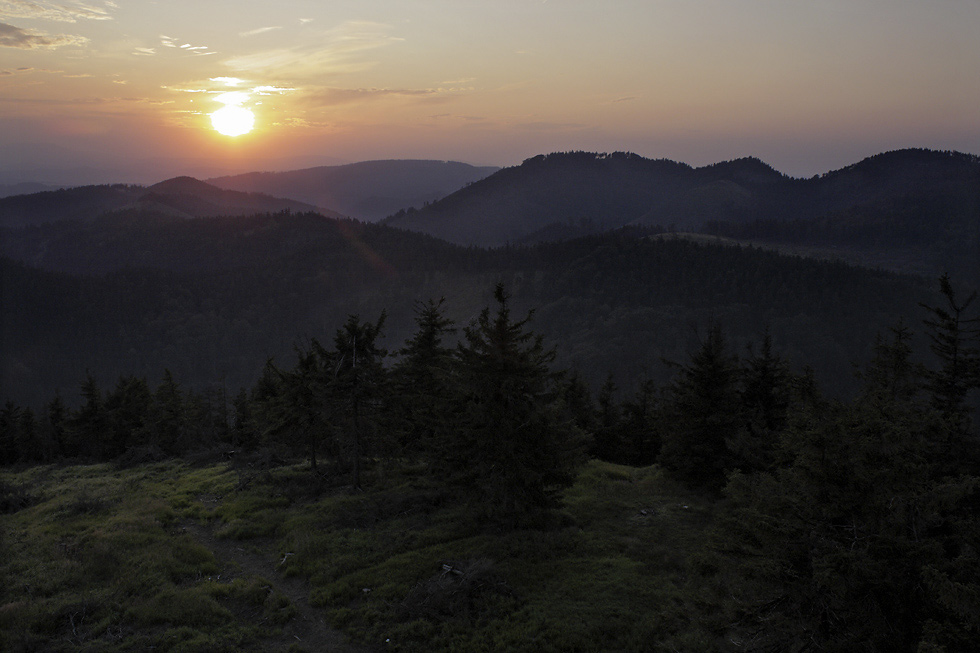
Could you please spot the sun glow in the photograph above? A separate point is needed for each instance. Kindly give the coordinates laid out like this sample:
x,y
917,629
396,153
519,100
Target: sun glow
x,y
233,120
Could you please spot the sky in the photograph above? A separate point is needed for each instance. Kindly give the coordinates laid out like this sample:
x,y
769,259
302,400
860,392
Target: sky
x,y
123,90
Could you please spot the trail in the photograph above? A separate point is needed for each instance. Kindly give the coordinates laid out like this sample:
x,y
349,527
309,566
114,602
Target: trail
x,y
308,629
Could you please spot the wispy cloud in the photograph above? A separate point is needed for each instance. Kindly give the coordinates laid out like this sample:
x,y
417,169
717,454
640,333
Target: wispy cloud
x,y
50,11
339,50
339,96
228,81
269,90
145,52
172,42
27,39
260,30
19,71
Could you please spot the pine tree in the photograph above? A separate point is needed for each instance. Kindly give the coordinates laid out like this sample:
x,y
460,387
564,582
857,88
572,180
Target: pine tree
x,y
166,425
358,386
422,387
296,403
128,407
765,398
608,444
515,449
640,431
955,340
953,337
705,411
853,543
10,440
89,424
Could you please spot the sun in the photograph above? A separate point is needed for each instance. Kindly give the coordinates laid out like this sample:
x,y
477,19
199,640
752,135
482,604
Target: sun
x,y
233,120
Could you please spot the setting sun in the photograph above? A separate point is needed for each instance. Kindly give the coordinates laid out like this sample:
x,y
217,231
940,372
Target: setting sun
x,y
233,120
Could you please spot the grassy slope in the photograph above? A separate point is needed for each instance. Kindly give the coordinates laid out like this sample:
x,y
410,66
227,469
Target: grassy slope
x,y
102,560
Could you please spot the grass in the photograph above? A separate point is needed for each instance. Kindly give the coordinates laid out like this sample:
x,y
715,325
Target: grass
x,y
96,558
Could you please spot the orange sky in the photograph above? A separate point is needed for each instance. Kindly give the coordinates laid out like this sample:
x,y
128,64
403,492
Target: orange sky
x,y
127,87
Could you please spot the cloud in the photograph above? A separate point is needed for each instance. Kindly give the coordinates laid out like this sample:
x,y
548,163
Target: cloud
x,y
228,81
339,50
145,52
339,96
260,30
51,11
171,42
26,39
269,90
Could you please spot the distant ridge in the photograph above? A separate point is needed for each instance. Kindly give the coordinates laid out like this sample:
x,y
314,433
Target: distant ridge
x,y
183,197
369,190
587,191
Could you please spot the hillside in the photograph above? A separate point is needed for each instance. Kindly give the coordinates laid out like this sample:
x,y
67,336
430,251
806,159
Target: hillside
x,y
212,299
561,195
369,190
183,197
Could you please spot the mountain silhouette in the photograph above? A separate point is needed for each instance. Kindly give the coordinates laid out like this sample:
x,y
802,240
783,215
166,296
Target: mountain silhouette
x,y
583,191
369,190
183,197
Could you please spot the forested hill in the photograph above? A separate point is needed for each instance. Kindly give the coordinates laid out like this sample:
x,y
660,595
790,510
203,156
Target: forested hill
x,y
369,190
183,197
583,191
227,293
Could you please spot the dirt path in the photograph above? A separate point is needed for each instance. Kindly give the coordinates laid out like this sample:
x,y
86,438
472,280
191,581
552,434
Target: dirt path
x,y
309,628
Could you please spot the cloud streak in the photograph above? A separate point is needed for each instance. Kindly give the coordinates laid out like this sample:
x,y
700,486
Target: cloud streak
x,y
341,96
51,11
260,30
339,50
27,39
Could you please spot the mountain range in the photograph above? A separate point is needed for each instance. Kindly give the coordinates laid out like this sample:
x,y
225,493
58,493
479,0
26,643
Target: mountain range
x,y
583,191
117,279
183,197
369,190
907,210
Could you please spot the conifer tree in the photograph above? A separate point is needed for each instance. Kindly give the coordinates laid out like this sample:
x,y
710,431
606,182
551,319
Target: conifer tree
x,y
607,444
295,404
705,415
10,441
55,426
514,449
89,424
955,340
128,407
422,385
765,397
640,431
358,386
953,336
853,543
166,426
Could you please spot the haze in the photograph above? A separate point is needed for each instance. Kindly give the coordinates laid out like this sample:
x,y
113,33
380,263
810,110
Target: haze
x,y
122,91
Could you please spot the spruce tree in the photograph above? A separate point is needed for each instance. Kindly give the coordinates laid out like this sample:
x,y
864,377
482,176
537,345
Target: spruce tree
x,y
765,397
955,340
515,448
89,424
705,411
422,385
358,387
